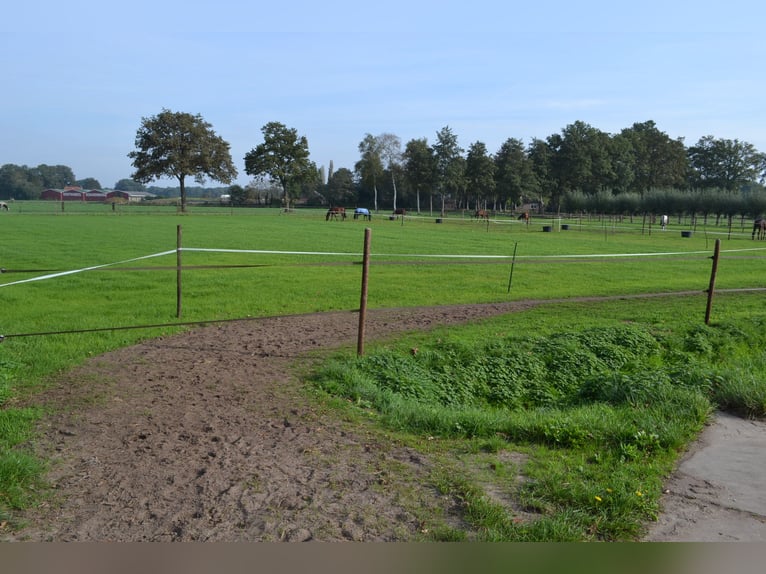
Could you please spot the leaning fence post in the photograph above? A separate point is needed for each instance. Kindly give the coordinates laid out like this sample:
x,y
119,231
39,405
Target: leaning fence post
x,y
363,300
711,288
178,272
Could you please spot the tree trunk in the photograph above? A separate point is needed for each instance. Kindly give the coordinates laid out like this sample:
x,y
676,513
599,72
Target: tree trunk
x,y
182,185
393,182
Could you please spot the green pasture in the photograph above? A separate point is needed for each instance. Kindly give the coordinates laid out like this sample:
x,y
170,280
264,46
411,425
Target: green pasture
x,y
298,262
74,279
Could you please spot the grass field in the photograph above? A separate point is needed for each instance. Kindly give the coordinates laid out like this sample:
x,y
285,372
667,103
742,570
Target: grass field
x,y
89,267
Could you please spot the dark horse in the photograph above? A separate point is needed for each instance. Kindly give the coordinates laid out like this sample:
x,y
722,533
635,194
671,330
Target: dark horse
x,y
481,214
364,212
524,217
759,227
399,211
334,212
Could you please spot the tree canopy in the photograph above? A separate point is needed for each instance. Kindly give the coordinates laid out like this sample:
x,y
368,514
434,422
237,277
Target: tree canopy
x,y
419,167
283,157
22,182
724,164
180,145
127,184
89,183
450,164
370,165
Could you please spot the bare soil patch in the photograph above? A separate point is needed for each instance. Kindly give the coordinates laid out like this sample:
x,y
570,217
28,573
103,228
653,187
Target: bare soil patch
x,y
209,436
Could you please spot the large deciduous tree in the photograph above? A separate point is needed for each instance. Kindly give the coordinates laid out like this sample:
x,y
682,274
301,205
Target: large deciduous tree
x,y
54,176
22,182
480,173
19,182
370,166
724,164
419,167
89,183
128,184
283,157
450,164
582,158
180,145
514,176
390,147
341,189
657,160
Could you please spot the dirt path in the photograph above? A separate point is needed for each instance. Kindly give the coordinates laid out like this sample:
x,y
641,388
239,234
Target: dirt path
x,y
208,435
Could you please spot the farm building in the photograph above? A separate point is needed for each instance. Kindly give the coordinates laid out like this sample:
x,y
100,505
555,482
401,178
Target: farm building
x,y
77,194
66,194
94,195
130,196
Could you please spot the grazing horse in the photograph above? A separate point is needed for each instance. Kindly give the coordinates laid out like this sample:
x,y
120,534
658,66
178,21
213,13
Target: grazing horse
x,y
399,211
481,214
664,222
334,212
364,212
759,227
3,206
524,217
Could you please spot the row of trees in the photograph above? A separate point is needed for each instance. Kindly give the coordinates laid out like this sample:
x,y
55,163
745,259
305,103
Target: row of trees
x,y
706,204
579,160
22,182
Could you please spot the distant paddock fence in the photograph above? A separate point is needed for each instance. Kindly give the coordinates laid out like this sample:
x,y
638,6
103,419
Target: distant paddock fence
x,y
364,258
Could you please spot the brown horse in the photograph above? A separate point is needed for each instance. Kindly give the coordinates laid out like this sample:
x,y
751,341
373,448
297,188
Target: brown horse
x,y
335,212
399,211
481,214
524,217
759,227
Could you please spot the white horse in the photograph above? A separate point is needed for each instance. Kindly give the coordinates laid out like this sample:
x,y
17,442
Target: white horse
x,y
664,222
3,206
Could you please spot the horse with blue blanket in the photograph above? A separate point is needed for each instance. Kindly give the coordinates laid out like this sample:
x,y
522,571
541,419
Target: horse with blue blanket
x,y
364,212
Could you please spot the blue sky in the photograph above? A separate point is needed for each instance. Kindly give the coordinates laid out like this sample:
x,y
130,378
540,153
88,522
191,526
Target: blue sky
x,y
78,76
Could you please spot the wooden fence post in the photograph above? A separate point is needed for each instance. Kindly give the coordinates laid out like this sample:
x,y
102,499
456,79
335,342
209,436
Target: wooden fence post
x,y
363,299
178,272
711,288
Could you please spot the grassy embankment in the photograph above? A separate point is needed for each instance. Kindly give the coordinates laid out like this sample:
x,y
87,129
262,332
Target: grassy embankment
x,y
559,423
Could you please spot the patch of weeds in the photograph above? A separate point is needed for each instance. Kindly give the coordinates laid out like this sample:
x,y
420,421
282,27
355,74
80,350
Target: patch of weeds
x,y
605,410
254,483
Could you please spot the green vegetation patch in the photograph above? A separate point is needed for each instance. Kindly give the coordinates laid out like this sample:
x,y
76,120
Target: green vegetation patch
x,y
605,410
20,472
